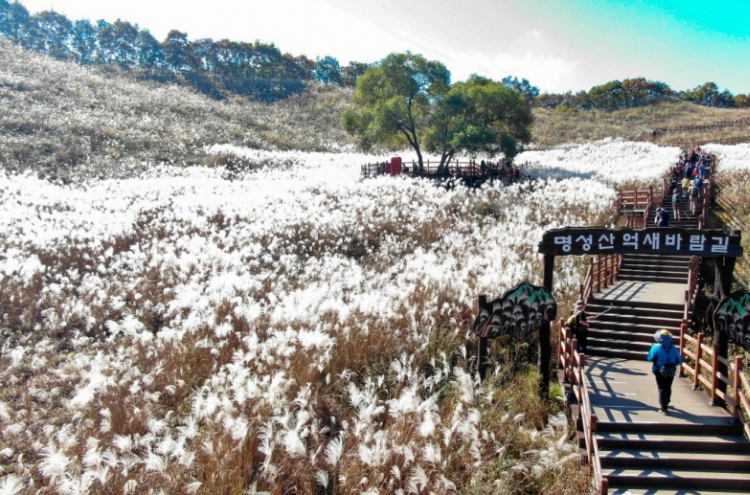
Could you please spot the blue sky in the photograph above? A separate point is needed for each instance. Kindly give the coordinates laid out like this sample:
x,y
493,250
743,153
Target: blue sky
x,y
558,45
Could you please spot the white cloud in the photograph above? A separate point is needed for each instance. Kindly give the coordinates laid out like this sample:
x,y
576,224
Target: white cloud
x,y
547,72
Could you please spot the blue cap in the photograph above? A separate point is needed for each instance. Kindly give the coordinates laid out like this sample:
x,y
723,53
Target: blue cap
x,y
663,337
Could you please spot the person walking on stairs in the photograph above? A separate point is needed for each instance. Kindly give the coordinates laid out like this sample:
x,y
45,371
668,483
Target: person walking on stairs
x,y
662,217
676,212
694,193
579,325
665,358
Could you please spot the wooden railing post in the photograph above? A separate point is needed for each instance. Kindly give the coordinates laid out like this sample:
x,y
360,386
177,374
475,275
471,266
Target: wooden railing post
x,y
592,429
715,376
686,311
683,328
698,357
598,272
736,388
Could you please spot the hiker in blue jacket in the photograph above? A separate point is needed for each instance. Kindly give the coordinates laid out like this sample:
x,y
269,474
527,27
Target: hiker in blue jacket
x,y
665,358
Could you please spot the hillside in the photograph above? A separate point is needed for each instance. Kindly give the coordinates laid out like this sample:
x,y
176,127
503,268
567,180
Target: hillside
x,y
555,127
164,330
65,120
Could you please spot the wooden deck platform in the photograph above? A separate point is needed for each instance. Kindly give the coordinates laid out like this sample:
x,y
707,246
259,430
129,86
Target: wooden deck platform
x,y
624,390
696,447
637,291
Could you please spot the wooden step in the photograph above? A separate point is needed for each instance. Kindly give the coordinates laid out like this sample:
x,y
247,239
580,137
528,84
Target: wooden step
x,y
654,278
669,478
638,319
636,458
728,429
638,306
666,271
644,328
602,334
596,342
670,491
664,442
682,262
598,306
594,350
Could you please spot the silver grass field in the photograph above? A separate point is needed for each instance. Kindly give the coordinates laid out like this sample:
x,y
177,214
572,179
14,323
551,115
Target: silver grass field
x,y
259,319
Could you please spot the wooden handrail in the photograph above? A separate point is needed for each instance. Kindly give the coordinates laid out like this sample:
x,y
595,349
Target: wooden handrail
x,y
704,371
573,364
452,168
603,270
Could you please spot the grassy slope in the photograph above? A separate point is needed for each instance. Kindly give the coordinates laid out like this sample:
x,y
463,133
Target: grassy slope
x,y
558,127
63,119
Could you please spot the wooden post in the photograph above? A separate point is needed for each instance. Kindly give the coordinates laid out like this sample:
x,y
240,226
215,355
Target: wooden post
x,y
683,328
564,358
723,284
698,357
545,343
736,387
715,376
482,344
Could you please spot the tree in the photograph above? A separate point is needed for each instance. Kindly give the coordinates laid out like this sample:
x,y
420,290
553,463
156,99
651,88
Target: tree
x,y
607,96
742,101
406,99
150,54
709,95
328,71
84,42
531,93
394,100
55,30
119,43
178,52
14,20
640,91
352,72
479,116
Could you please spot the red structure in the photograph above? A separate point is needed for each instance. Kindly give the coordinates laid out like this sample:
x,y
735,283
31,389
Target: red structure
x,y
394,168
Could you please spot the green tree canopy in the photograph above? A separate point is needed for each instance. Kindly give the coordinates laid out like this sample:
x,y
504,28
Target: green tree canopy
x,y
479,116
531,93
394,99
709,95
328,71
407,100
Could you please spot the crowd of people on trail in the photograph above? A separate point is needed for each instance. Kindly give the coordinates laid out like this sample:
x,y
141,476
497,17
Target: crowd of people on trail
x,y
686,181
504,170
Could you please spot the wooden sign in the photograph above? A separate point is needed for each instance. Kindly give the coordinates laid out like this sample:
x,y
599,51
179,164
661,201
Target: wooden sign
x,y
518,313
732,317
652,240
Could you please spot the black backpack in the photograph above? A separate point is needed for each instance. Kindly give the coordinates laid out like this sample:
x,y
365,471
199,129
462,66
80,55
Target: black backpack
x,y
572,321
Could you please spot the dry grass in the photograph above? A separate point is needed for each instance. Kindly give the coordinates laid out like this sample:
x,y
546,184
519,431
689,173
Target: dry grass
x,y
502,441
732,210
66,121
560,126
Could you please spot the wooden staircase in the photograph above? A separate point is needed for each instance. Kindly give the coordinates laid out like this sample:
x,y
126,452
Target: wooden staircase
x,y
697,448
662,458
680,456
627,330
